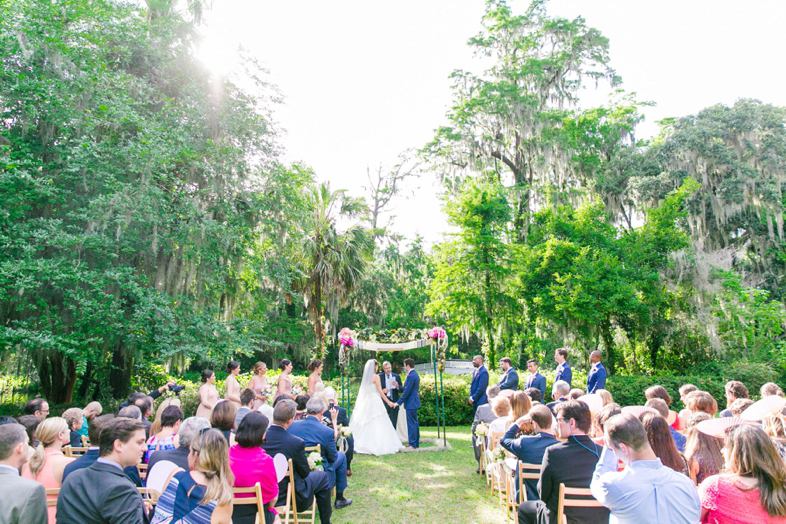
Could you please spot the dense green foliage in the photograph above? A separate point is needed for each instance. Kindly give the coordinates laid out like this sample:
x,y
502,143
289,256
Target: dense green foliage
x,y
150,229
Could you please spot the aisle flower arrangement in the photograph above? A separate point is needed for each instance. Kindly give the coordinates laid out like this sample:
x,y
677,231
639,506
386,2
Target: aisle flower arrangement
x,y
315,461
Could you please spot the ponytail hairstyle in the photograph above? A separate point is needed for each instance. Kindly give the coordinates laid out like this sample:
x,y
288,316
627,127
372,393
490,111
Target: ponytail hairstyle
x,y
258,366
233,365
213,462
284,364
46,433
314,365
206,374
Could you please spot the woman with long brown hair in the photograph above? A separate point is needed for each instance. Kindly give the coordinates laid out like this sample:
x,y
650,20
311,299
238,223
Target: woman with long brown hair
x,y
203,494
753,487
662,443
702,451
520,404
48,461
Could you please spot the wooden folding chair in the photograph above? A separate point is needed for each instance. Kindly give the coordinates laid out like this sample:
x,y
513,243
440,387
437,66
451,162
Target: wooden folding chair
x,y
51,496
483,462
565,502
85,441
71,451
286,512
527,471
150,494
256,490
494,439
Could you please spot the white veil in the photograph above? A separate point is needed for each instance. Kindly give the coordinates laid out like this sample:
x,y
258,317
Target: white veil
x,y
366,396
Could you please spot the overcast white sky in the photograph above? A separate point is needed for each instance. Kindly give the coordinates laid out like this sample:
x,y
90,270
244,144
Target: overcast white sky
x,y
363,81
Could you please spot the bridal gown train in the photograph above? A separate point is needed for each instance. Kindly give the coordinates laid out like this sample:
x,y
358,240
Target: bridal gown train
x,y
370,424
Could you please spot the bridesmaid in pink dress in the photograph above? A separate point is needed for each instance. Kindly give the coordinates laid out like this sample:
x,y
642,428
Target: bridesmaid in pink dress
x,y
48,462
258,383
232,386
208,395
284,385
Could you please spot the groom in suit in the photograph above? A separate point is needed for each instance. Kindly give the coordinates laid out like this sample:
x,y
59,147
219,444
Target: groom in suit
x,y
391,386
410,399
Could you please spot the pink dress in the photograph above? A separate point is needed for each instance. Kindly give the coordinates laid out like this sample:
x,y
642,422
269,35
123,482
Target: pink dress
x,y
212,397
233,388
257,386
728,504
46,477
285,385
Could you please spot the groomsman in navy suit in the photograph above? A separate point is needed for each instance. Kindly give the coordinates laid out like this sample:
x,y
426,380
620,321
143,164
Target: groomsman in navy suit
x,y
535,379
391,386
596,379
480,381
510,380
563,369
410,399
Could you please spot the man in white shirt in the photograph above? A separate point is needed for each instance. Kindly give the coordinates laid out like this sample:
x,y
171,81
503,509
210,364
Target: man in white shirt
x,y
22,501
646,491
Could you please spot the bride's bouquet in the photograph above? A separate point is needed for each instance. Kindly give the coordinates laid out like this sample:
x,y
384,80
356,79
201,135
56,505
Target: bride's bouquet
x,y
481,430
315,461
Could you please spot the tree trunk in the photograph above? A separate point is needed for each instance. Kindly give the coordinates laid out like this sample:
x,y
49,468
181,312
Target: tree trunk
x,y
608,339
120,373
58,377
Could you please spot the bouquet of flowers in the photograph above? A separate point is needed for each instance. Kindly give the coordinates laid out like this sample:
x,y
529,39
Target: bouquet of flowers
x,y
267,392
346,431
481,430
436,333
297,390
315,461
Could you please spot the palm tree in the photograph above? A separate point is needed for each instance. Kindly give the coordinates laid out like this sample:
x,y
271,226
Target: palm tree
x,y
333,261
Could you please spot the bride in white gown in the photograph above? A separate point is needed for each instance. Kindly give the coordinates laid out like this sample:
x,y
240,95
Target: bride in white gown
x,y
370,424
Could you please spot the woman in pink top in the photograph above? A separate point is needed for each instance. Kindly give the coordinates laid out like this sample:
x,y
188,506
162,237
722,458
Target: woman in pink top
x,y
251,464
208,395
48,462
232,385
754,487
258,384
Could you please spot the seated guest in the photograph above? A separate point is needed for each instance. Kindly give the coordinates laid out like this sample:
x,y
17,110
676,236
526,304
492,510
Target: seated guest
x,y
599,421
662,443
22,500
250,465
646,491
145,405
37,407
702,451
73,417
661,393
202,495
223,419
773,427
559,391
685,413
575,393
102,492
247,397
571,463
530,448
179,456
311,430
91,455
132,412
501,408
485,415
770,389
740,405
663,410
164,440
343,421
605,396
752,487
48,462
734,390
156,425
308,484
534,395
90,412
520,405
30,422
701,401
301,401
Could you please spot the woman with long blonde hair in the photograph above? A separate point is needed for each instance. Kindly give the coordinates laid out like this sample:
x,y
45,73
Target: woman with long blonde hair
x,y
155,428
207,488
48,461
753,486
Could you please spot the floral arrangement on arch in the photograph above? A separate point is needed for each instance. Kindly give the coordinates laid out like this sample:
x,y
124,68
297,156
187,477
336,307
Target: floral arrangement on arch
x,y
438,335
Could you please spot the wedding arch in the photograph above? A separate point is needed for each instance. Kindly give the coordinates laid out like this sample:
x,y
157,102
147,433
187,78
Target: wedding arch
x,y
397,340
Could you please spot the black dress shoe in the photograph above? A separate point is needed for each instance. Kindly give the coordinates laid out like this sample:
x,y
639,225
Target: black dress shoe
x,y
343,503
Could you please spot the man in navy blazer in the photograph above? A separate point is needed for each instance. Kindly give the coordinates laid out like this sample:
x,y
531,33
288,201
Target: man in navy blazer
x,y
480,381
535,379
308,484
563,369
530,448
410,399
342,420
392,387
596,379
313,432
510,379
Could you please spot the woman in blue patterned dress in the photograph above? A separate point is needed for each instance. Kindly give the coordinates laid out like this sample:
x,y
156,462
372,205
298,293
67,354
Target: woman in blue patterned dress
x,y
203,495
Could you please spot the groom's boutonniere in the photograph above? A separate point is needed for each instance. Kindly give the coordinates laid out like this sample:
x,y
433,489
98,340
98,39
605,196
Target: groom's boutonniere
x,y
315,461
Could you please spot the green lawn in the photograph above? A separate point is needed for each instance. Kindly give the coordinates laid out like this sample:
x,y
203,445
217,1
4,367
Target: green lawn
x,y
421,487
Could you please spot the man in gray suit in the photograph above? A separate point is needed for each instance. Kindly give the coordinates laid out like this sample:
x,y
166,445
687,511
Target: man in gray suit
x,y
102,493
22,501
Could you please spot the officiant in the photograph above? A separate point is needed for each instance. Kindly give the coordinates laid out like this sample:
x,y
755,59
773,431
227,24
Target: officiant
x,y
392,387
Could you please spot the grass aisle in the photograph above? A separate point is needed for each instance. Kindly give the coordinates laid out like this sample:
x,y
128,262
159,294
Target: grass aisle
x,y
421,487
